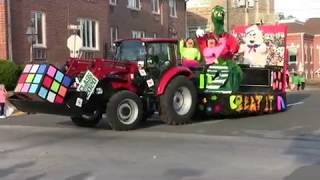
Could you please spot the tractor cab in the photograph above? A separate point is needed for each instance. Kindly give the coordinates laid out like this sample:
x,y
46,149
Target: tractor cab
x,y
156,55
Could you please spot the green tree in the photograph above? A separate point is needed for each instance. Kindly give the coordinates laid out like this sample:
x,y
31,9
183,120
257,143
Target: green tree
x,y
9,74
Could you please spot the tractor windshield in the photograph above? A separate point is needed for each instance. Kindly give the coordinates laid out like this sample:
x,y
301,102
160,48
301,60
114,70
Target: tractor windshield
x,y
163,51
130,50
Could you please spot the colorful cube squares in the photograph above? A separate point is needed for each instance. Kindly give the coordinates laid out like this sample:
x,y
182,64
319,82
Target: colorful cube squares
x,y
62,91
30,78
22,78
43,93
51,71
47,82
37,79
55,86
18,87
25,88
42,81
59,76
58,100
34,68
27,68
33,89
51,97
42,69
66,81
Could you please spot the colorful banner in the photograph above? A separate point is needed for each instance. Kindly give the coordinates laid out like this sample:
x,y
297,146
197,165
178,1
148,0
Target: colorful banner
x,y
262,45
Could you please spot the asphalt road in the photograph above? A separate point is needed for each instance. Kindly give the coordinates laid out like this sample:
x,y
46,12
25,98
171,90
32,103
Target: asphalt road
x,y
277,146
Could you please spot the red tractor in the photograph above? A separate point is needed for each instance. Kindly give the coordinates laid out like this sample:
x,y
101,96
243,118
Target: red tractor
x,y
143,77
146,76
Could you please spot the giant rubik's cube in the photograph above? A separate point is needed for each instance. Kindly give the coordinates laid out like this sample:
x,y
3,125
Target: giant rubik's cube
x,y
44,82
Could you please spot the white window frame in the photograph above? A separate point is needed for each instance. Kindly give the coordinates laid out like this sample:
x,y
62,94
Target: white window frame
x,y
113,30
173,8
251,3
134,4
239,3
138,34
113,2
88,41
43,29
155,6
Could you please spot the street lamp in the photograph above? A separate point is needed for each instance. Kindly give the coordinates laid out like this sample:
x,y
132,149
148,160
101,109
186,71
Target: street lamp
x,y
31,37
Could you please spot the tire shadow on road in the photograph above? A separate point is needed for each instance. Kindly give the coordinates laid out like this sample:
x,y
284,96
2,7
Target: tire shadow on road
x,y
155,121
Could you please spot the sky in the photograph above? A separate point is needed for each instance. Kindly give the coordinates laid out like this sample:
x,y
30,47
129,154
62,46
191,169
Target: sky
x,y
302,9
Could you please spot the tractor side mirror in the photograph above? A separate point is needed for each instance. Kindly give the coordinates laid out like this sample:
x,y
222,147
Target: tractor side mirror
x,y
113,51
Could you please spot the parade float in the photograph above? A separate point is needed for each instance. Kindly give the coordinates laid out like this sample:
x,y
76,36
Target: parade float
x,y
240,73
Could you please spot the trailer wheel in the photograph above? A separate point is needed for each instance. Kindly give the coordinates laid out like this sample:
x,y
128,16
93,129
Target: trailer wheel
x,y
87,120
124,111
178,103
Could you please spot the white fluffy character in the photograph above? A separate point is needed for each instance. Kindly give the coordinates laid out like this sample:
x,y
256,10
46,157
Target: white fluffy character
x,y
254,49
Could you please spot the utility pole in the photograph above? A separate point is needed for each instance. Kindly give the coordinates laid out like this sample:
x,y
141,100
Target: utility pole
x,y
227,14
246,9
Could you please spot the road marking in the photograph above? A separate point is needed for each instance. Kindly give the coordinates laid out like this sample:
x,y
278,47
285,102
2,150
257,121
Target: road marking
x,y
294,104
212,122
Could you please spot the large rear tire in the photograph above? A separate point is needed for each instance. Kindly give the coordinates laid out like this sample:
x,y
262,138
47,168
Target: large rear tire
x,y
178,103
87,120
124,111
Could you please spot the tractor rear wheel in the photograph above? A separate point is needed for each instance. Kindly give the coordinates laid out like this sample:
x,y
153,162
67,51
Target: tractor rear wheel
x,y
124,111
178,103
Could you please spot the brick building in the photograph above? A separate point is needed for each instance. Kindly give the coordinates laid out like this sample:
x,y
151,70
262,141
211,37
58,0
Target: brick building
x,y
99,21
303,45
147,18
3,30
238,12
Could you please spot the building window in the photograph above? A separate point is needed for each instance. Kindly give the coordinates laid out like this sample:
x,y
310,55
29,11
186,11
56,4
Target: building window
x,y
134,4
114,34
113,2
251,3
243,3
138,34
38,27
292,59
155,6
173,8
89,33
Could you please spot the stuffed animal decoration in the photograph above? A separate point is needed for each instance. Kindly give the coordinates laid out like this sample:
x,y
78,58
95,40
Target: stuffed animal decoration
x,y
226,46
254,49
231,46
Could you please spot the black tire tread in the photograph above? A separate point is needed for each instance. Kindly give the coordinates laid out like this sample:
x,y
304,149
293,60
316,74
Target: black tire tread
x,y
165,114
112,109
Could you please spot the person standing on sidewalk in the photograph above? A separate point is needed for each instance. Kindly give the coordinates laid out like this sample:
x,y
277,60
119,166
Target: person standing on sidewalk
x,y
3,94
295,82
302,80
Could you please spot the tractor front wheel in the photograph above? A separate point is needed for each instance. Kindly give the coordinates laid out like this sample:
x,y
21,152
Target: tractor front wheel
x,y
178,103
124,111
